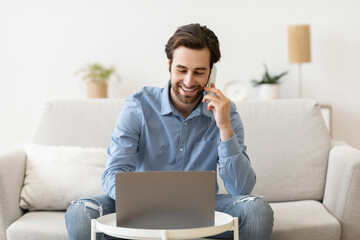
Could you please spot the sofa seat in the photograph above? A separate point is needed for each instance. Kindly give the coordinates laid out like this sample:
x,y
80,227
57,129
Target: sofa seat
x,y
39,225
293,220
304,220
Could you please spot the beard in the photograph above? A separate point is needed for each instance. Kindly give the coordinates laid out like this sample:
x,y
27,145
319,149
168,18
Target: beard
x,y
176,88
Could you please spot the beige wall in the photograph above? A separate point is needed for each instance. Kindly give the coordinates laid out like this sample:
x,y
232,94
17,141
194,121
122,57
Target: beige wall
x,y
42,44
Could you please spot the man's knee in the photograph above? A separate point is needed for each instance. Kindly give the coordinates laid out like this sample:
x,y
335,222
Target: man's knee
x,y
85,207
79,214
255,210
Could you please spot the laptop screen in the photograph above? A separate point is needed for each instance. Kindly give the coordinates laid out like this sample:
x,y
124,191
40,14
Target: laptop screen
x,y
165,200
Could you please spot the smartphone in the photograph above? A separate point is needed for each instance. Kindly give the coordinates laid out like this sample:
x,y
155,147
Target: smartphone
x,y
212,77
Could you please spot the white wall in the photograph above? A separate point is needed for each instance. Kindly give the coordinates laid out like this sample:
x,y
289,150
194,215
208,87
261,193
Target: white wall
x,y
42,44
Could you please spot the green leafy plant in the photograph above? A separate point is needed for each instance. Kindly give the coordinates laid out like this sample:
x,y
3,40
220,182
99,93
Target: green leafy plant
x,y
268,79
97,73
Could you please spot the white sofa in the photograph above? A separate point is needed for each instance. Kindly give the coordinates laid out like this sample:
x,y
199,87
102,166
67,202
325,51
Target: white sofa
x,y
313,187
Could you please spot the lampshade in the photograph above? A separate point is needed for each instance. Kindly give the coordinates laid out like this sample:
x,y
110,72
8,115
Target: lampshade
x,y
299,43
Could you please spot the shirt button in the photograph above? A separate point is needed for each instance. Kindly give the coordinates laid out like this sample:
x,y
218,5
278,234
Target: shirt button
x,y
185,123
219,148
181,149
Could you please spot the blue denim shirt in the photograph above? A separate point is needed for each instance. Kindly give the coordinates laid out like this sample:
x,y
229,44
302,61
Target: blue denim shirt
x,y
151,135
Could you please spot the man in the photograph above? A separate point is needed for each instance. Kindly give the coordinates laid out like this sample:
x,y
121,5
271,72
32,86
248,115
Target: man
x,y
181,128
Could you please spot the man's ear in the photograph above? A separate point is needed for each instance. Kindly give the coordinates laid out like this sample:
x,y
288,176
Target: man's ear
x,y
169,64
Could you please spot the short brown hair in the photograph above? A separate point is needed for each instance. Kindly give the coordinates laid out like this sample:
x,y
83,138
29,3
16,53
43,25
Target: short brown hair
x,y
194,36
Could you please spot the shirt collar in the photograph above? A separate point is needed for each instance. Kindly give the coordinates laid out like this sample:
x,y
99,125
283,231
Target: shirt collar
x,y
167,107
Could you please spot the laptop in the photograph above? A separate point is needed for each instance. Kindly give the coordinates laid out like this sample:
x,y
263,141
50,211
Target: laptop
x,y
165,200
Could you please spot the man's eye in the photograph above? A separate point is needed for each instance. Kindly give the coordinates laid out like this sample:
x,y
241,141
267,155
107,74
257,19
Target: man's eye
x,y
199,73
181,71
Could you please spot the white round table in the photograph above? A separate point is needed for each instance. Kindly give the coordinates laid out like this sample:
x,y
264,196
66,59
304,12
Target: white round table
x,y
107,224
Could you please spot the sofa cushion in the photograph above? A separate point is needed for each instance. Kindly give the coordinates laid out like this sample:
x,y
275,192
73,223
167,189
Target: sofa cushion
x,y
304,220
80,122
288,145
39,225
56,175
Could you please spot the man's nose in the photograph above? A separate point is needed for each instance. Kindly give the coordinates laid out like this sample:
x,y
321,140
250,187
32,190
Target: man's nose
x,y
189,79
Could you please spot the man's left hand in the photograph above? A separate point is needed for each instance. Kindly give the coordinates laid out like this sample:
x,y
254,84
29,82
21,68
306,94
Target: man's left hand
x,y
220,105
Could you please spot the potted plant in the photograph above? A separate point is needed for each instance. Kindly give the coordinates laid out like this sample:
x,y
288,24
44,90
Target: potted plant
x,y
96,77
269,85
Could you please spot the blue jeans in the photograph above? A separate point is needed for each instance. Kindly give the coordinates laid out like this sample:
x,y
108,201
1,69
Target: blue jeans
x,y
255,216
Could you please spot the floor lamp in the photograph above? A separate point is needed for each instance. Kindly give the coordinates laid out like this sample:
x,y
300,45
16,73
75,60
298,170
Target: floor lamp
x,y
299,47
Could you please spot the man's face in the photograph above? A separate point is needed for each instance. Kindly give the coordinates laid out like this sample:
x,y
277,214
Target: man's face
x,y
189,73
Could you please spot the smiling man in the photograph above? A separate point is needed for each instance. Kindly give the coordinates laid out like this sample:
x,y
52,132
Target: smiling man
x,y
182,128
189,74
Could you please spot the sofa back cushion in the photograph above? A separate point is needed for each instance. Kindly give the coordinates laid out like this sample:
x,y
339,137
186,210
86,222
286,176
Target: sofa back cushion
x,y
83,122
288,145
288,142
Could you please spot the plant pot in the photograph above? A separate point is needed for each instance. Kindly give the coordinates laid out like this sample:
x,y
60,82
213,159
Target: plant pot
x,y
96,90
269,91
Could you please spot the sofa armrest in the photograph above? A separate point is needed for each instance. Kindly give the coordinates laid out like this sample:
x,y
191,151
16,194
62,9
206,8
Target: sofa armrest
x,y
342,195
12,171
